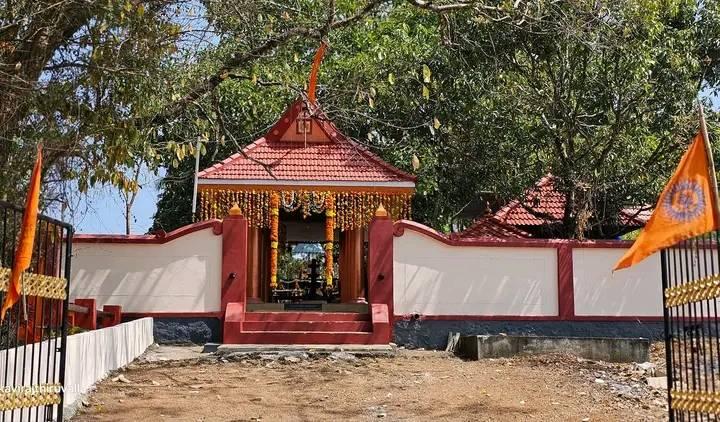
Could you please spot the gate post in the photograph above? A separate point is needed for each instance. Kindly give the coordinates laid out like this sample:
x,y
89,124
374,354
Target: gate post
x,y
380,275
234,259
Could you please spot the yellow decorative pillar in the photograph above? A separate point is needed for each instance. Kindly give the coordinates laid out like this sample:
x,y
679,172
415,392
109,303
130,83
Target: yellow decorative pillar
x,y
274,220
329,238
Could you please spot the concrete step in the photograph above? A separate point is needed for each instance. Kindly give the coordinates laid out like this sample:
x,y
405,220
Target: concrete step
x,y
299,337
311,349
328,326
305,316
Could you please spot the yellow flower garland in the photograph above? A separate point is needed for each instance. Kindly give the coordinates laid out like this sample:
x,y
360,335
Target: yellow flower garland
x,y
274,217
352,209
329,238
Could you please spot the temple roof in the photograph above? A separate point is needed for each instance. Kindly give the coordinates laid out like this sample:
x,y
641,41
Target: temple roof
x,y
543,204
322,157
489,227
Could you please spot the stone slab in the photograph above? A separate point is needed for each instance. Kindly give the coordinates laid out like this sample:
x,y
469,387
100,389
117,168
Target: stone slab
x,y
605,349
311,349
659,383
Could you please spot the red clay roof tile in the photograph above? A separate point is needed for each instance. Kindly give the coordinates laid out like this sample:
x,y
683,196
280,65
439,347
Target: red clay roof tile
x,y
340,159
548,206
490,227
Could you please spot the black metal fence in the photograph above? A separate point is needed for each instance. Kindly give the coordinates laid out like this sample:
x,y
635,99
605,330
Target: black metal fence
x,y
691,286
34,332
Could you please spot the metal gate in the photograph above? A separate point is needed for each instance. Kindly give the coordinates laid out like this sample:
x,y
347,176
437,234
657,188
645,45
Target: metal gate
x,y
691,286
34,332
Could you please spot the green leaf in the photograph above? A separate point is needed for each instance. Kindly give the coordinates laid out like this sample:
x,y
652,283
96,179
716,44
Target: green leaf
x,y
391,78
426,74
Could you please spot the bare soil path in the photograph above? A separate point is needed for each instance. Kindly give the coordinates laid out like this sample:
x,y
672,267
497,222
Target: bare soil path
x,y
414,386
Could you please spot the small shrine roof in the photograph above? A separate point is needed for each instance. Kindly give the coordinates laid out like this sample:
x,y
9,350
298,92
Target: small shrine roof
x,y
288,156
489,227
543,204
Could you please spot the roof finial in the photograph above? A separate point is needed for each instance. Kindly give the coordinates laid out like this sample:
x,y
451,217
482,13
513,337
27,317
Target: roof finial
x,y
315,70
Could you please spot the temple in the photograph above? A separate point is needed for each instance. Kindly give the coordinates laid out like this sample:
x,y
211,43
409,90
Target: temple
x,y
308,193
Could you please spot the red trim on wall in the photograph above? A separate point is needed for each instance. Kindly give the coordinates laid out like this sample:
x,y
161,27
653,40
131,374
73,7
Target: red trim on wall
x,y
153,239
566,285
172,314
583,318
600,318
401,225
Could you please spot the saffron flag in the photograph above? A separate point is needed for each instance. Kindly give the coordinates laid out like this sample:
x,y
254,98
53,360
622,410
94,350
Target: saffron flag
x,y
685,208
314,72
23,254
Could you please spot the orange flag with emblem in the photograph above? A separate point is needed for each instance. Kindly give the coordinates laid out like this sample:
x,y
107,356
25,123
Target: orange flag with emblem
x,y
685,208
23,254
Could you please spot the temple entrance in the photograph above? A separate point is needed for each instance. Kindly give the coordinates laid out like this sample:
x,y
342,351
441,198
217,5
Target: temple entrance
x,y
303,199
303,280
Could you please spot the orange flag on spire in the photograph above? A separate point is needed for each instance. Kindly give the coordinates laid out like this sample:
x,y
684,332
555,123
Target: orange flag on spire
x,y
312,85
686,207
23,254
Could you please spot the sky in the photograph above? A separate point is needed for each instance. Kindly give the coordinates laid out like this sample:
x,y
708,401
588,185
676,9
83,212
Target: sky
x,y
102,212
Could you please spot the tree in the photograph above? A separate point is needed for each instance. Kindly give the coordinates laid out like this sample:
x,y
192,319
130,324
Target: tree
x,y
491,100
71,74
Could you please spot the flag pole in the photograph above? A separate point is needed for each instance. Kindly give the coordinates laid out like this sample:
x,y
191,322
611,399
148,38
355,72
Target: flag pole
x,y
711,162
195,181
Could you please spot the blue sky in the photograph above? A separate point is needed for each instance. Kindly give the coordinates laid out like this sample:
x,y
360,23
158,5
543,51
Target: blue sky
x,y
102,210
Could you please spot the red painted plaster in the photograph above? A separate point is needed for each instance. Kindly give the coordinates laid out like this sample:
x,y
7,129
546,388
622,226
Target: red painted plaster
x,y
402,225
115,318
154,239
380,262
87,320
234,261
566,285
233,323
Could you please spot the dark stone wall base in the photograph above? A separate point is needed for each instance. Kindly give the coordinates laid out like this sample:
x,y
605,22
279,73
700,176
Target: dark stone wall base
x,y
433,334
187,330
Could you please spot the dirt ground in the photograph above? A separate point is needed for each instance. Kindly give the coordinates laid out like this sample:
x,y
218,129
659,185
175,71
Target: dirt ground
x,y
413,386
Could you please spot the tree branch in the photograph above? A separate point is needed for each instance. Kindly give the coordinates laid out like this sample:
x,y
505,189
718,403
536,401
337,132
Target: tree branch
x,y
239,60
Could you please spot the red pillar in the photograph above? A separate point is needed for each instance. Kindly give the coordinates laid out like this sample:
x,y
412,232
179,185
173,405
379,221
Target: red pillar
x,y
350,287
87,320
380,276
380,261
253,266
234,259
566,284
116,318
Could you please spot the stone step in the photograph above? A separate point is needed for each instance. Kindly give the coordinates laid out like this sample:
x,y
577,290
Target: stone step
x,y
306,316
328,326
311,349
301,337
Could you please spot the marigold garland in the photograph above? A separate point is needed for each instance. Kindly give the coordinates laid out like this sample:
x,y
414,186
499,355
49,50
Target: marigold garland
x,y
274,218
352,209
329,238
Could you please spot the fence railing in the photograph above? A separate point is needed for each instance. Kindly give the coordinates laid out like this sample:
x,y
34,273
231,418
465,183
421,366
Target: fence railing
x,y
691,286
33,334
